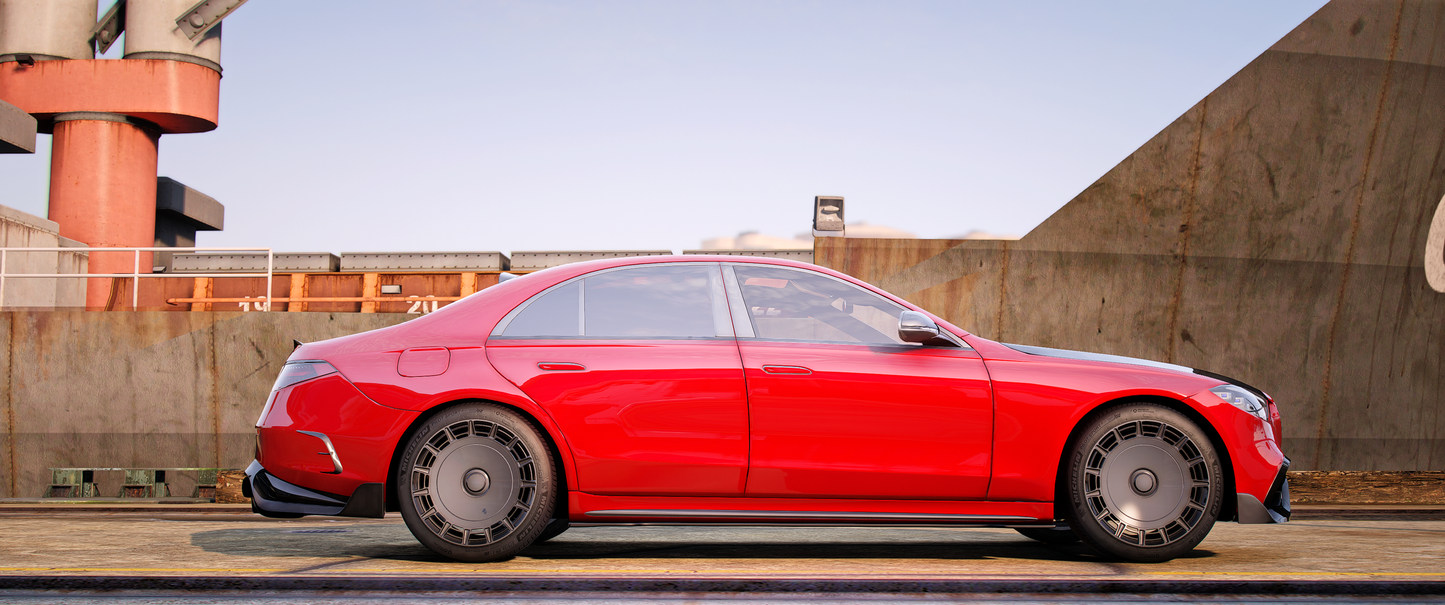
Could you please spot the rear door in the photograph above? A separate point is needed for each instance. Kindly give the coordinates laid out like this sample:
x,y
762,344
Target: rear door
x,y
638,367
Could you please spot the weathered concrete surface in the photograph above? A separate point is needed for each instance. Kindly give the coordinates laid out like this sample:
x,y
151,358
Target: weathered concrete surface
x,y
248,545
20,229
1275,232
17,130
142,389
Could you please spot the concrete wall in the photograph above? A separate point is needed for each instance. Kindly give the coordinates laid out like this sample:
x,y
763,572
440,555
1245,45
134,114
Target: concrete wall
x,y
1276,232
138,389
19,229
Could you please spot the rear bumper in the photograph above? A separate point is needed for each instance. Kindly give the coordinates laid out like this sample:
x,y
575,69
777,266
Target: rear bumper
x,y
272,497
1275,508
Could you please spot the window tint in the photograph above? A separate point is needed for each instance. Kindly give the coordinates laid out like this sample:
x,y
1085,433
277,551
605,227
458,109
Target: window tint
x,y
668,301
677,301
554,314
789,304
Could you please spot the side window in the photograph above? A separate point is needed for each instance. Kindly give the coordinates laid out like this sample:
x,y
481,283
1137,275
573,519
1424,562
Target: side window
x,y
659,301
665,301
555,313
789,304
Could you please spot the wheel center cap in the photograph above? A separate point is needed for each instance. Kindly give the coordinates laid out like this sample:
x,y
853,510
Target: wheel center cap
x,y
476,481
1144,482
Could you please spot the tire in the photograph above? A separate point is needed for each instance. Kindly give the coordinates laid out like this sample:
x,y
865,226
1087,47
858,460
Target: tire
x,y
1049,535
1144,484
553,529
476,483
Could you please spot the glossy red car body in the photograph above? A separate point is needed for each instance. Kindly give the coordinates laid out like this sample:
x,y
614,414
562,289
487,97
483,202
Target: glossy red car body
x,y
832,431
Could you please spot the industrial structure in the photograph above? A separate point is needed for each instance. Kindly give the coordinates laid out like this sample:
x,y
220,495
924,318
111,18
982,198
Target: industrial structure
x,y
1287,231
106,117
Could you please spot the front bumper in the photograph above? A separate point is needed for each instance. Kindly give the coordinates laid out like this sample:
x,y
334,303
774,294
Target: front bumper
x,y
1275,508
272,497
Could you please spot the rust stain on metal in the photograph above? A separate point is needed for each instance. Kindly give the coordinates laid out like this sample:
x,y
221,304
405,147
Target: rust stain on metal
x,y
10,404
215,393
1002,290
1354,235
1191,200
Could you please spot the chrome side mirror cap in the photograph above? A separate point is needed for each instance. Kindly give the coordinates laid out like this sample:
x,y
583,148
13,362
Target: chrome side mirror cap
x,y
917,327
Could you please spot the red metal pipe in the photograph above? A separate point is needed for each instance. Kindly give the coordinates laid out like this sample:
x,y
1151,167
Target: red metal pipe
x,y
103,193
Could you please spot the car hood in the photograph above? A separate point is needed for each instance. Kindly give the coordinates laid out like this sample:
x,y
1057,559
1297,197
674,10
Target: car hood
x,y
1081,355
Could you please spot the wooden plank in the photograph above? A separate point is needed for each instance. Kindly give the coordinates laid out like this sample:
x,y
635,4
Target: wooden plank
x,y
298,290
370,288
1367,487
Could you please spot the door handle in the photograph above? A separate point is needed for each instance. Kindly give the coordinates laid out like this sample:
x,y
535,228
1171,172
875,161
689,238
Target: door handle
x,y
560,366
790,370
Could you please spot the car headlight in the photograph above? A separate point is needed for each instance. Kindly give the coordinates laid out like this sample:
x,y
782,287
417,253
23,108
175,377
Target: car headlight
x,y
1243,400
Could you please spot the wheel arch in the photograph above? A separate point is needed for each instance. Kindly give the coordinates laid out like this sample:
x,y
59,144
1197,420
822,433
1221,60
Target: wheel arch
x,y
554,444
1226,513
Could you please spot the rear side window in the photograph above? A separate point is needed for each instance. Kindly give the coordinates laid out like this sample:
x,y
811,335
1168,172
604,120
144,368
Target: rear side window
x,y
660,301
555,313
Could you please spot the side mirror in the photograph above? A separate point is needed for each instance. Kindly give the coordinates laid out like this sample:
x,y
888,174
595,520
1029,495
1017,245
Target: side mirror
x,y
917,327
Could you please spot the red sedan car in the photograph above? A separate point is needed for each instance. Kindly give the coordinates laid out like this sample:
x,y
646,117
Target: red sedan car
x,y
701,390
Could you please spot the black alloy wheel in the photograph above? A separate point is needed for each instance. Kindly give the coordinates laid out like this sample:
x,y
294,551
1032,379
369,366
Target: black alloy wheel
x,y
476,483
1144,484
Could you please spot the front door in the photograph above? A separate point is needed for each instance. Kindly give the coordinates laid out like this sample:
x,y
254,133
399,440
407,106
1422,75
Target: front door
x,y
840,407
638,367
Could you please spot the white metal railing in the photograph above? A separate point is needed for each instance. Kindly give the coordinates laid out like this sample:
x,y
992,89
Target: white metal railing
x,y
136,274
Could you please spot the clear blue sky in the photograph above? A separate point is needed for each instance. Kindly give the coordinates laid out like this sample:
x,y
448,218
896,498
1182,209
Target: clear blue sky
x,y
531,124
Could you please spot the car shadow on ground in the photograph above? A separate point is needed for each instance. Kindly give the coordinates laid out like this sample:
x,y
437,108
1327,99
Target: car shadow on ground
x,y
394,542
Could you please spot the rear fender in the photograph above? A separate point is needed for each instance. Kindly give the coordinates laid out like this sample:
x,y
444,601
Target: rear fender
x,y
469,377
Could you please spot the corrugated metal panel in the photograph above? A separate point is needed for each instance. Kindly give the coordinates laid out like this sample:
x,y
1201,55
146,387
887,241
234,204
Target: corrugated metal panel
x,y
797,255
424,261
534,260
251,262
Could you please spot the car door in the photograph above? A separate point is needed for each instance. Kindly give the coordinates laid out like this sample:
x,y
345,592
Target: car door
x,y
840,407
638,367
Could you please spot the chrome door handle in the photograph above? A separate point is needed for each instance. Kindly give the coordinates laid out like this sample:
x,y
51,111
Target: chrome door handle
x,y
560,366
789,370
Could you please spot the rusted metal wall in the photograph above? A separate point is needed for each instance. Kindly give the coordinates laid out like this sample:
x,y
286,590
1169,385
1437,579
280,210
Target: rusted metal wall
x,y
1276,232
142,389
171,293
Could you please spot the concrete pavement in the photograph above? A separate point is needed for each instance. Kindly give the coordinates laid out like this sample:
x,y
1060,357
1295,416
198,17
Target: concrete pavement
x,y
238,551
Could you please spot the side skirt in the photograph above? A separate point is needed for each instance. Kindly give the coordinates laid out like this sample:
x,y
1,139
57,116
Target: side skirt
x,y
593,509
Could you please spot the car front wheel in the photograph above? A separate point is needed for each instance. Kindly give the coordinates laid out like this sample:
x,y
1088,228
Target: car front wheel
x,y
476,483
1144,484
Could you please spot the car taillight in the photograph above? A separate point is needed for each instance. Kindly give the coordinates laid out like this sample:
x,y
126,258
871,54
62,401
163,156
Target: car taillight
x,y
301,371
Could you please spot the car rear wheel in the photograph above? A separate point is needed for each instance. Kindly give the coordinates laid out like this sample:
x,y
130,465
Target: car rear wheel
x,y
1144,484
476,483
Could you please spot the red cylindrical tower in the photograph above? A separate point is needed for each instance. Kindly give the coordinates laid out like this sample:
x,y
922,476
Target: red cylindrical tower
x,y
103,191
